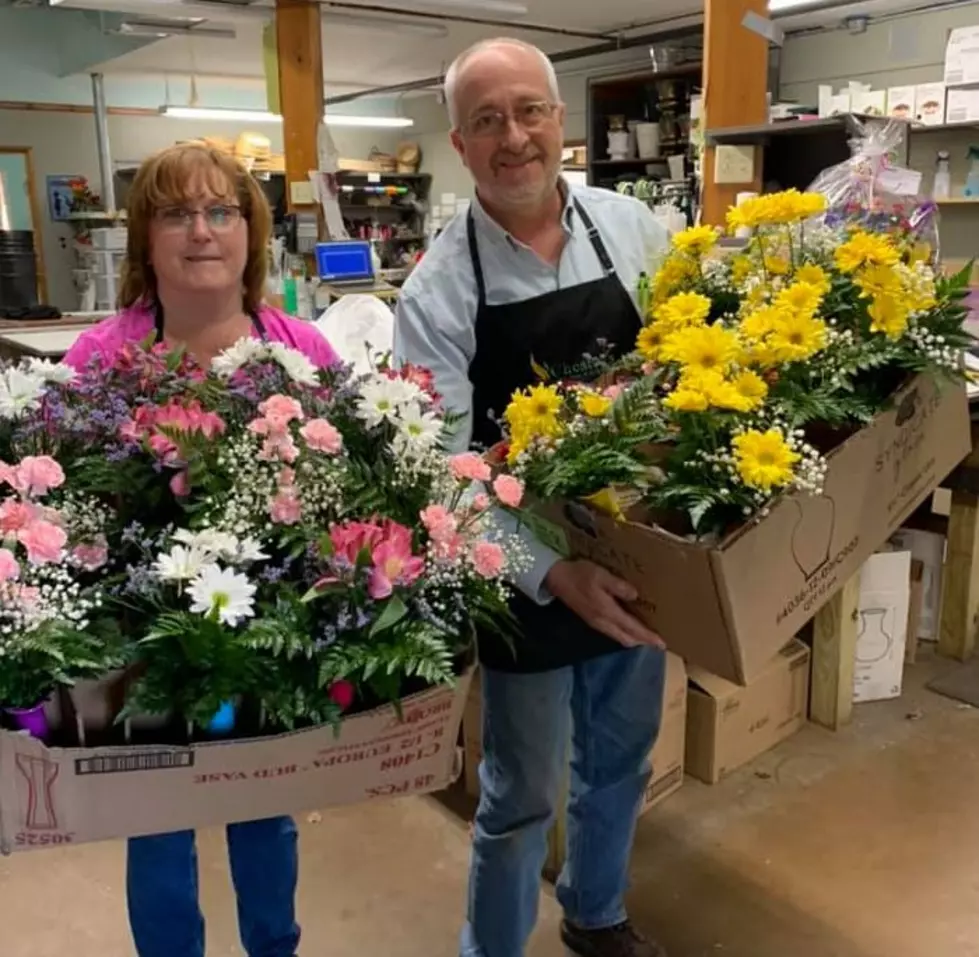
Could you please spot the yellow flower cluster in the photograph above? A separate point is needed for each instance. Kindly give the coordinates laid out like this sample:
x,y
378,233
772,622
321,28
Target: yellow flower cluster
x,y
895,290
696,241
533,413
787,329
764,460
776,209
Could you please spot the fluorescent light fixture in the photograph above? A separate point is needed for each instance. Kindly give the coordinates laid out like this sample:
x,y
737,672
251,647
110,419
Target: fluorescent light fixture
x,y
506,8
777,6
137,28
385,24
261,116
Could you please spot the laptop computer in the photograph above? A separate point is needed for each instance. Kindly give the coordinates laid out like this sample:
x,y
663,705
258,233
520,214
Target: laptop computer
x,y
346,263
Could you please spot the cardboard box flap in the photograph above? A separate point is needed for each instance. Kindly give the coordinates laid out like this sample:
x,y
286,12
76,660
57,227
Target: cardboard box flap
x,y
720,688
715,686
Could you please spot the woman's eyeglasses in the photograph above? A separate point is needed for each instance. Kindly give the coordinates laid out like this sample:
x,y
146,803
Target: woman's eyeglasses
x,y
218,218
531,116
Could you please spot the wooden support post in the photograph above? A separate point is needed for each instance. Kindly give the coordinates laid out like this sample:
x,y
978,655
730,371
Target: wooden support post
x,y
300,53
960,580
834,656
735,88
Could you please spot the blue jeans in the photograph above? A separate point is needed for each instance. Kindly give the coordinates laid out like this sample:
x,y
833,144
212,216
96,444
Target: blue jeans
x,y
615,702
161,885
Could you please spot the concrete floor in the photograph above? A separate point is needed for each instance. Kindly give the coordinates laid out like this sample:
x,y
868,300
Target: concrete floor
x,y
861,844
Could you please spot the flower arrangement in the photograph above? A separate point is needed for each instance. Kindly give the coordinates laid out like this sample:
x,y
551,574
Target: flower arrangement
x,y
749,368
267,531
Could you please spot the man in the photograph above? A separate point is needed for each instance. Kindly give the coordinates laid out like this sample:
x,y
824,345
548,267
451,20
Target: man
x,y
539,274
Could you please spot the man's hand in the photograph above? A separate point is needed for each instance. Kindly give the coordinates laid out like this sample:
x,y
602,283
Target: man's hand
x,y
594,595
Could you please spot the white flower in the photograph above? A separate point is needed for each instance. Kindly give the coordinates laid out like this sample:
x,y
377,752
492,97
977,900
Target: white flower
x,y
222,591
51,371
416,429
20,391
382,398
250,550
180,563
296,365
245,350
212,543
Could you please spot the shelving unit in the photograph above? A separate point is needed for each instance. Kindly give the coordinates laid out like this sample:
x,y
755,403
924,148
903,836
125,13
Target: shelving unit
x,y
390,210
650,96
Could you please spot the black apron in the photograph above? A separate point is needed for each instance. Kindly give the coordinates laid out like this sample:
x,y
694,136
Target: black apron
x,y
555,331
158,323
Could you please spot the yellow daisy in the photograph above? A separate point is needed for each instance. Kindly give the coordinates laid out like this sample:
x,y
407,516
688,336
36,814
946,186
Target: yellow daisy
x,y
684,309
696,240
764,460
865,249
888,315
797,337
650,342
703,348
593,404
815,276
684,399
800,297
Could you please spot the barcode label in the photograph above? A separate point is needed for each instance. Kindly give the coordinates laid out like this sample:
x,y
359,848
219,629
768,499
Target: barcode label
x,y
134,761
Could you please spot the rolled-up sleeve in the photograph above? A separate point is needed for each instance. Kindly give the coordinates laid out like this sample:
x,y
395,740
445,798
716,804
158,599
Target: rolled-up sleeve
x,y
435,328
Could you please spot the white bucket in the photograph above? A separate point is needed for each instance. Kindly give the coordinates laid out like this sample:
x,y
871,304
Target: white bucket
x,y
618,145
647,138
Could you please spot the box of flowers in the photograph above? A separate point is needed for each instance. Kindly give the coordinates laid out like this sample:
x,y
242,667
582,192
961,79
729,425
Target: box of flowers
x,y
786,407
232,592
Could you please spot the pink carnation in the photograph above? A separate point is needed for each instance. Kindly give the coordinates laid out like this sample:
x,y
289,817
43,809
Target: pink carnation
x,y
9,569
488,559
36,474
469,467
280,410
321,436
14,515
285,508
509,490
439,521
279,446
481,502
92,555
44,542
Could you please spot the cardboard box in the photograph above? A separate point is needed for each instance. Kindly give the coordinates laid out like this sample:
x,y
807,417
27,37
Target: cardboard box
x,y
731,607
729,725
901,102
929,101
885,598
962,56
929,549
962,106
666,756
58,796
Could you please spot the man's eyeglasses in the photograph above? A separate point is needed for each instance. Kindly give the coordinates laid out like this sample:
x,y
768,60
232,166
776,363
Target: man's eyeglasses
x,y
218,218
530,116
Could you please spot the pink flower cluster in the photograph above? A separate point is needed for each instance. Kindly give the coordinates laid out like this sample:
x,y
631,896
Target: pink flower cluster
x,y
278,412
390,548
161,427
470,467
447,542
26,521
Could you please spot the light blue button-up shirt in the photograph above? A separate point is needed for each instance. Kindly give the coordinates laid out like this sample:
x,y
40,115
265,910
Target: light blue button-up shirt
x,y
435,320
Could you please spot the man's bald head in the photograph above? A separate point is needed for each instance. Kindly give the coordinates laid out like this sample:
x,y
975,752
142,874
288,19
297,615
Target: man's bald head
x,y
502,52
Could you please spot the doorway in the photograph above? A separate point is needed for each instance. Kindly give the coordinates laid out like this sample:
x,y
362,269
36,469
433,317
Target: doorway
x,y
19,208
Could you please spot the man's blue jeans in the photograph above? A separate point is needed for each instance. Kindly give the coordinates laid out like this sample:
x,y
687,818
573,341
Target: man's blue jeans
x,y
161,885
610,709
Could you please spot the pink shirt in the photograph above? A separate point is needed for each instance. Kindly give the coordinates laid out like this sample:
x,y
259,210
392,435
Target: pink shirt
x,y
134,324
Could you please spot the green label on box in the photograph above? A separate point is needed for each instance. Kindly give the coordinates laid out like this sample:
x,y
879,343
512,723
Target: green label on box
x,y
547,533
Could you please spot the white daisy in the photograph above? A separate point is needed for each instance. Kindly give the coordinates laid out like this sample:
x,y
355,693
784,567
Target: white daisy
x,y
250,550
224,592
417,430
245,350
297,366
380,400
180,563
51,371
210,541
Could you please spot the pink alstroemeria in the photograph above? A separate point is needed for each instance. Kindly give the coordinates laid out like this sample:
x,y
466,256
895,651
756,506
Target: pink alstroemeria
x,y
394,563
351,538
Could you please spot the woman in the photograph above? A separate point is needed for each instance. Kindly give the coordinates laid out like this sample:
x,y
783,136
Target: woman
x,y
195,271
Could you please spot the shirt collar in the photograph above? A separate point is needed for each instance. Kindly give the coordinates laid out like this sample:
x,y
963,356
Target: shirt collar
x,y
486,222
